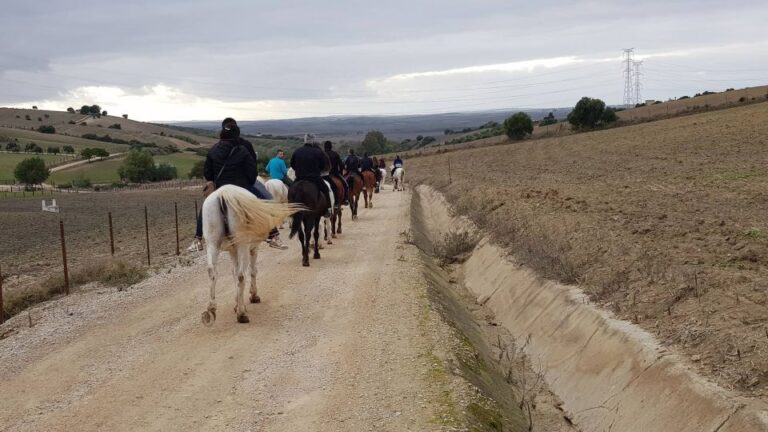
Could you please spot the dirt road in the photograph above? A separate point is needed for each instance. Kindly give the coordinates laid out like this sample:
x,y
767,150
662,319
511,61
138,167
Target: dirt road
x,y
342,345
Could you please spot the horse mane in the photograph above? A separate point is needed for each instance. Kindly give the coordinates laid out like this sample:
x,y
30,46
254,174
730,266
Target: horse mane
x,y
255,218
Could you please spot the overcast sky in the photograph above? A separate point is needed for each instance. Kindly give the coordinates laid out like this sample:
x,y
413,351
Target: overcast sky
x,y
188,59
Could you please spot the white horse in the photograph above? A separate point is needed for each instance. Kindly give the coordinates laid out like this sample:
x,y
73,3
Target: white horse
x,y
237,222
398,178
383,172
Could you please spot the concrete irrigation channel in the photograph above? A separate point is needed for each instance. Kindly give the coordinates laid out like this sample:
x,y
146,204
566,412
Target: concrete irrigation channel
x,y
609,374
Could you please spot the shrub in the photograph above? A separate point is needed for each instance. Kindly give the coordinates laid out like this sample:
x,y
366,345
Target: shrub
x,y
197,170
28,117
47,129
31,171
125,116
609,116
104,113
39,119
85,110
53,149
72,122
71,110
115,126
34,107
68,149
12,147
81,183
518,126
684,97
742,99
32,148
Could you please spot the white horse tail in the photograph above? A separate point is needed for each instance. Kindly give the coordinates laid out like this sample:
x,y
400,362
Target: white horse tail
x,y
253,218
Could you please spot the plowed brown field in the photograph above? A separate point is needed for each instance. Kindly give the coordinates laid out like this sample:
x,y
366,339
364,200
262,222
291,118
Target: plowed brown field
x,y
663,223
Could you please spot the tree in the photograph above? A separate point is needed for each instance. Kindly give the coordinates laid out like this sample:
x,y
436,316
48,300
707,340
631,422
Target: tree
x,y
86,153
104,113
548,119
164,171
99,152
85,110
419,138
71,110
197,169
125,116
94,110
517,126
427,139
34,106
68,149
53,149
138,167
609,116
374,143
587,113
32,148
46,129
31,171
12,147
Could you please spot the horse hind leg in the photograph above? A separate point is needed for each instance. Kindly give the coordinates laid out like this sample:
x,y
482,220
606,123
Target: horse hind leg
x,y
209,316
254,272
317,239
304,235
241,263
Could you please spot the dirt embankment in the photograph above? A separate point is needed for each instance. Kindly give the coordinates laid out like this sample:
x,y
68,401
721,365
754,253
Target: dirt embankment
x,y
610,375
662,223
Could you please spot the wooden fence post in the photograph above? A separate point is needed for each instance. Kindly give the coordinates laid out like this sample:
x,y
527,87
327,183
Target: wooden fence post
x,y
111,236
2,310
146,231
64,257
176,217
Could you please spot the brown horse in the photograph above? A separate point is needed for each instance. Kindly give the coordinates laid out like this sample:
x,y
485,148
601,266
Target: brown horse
x,y
355,183
336,215
369,186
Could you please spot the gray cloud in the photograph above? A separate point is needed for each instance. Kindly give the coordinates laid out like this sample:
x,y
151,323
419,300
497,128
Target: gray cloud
x,y
298,54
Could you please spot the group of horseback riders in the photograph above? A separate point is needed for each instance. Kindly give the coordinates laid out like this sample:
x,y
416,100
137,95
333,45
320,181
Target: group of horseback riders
x,y
232,160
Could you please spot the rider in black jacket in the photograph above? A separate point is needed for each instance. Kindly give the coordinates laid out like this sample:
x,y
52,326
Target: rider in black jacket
x,y
352,164
309,162
336,166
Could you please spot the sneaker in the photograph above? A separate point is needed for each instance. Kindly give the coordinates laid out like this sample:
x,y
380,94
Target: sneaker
x,y
196,246
277,244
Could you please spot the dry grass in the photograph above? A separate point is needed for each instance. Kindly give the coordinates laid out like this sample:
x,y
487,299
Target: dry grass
x,y
455,246
663,223
114,272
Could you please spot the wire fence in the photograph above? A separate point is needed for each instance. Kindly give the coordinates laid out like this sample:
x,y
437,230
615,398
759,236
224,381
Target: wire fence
x,y
94,234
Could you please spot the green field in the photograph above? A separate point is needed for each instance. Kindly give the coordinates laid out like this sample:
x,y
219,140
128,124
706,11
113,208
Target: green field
x,y
182,161
106,171
96,172
8,162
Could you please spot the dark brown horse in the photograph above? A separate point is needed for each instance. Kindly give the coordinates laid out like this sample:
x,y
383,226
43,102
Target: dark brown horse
x,y
355,183
306,193
369,186
340,198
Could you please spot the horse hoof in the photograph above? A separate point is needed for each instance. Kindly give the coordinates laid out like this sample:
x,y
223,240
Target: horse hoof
x,y
334,236
305,263
208,318
255,299
243,319
316,256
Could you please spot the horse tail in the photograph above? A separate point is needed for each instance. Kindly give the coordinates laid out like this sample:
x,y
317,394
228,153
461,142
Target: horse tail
x,y
295,225
255,218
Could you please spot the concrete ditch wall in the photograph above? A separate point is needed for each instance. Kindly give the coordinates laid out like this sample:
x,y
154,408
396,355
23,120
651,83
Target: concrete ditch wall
x,y
611,375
